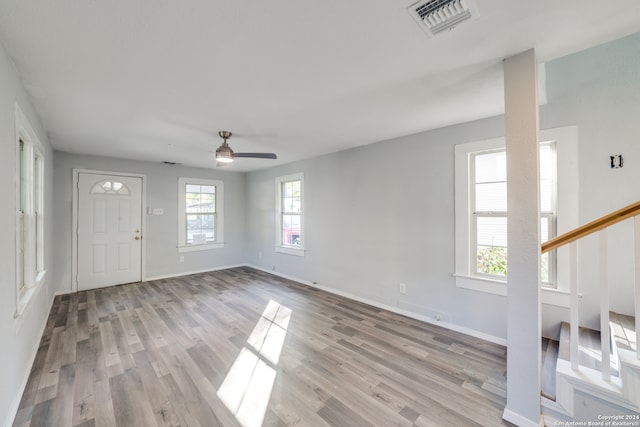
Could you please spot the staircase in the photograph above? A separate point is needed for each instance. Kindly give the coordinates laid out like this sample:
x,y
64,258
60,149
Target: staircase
x,y
560,383
597,373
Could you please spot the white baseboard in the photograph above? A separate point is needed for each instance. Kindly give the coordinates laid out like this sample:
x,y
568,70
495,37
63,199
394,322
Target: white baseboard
x,y
521,421
187,273
411,314
13,409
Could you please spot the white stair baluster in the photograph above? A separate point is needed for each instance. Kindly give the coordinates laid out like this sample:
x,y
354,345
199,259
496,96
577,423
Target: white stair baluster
x,y
605,336
636,223
575,322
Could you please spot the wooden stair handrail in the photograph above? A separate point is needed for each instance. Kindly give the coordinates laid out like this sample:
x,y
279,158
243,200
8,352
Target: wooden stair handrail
x,y
591,227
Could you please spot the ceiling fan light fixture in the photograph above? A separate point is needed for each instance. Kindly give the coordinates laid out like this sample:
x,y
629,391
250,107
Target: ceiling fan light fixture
x,y
224,153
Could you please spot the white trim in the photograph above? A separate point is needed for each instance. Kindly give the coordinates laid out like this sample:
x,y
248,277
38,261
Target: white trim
x,y
188,273
280,247
566,207
74,221
194,248
27,262
521,421
557,297
553,406
218,243
481,284
590,382
416,316
289,250
15,404
29,295
549,296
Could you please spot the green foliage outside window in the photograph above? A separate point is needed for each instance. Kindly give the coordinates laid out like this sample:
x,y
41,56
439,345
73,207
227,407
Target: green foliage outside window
x,y
492,260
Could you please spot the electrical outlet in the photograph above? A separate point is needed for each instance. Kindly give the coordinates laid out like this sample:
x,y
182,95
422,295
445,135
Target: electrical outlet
x,y
181,258
260,255
402,288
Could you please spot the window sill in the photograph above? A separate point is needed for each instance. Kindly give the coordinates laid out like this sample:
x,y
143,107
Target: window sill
x,y
194,248
40,277
290,250
29,294
549,296
481,284
557,297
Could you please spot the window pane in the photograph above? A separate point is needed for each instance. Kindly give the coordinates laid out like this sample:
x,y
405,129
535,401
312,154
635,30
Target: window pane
x,y
491,260
287,204
491,167
546,162
545,229
491,197
544,267
492,231
200,202
23,178
291,230
287,189
207,202
291,201
200,228
208,189
546,195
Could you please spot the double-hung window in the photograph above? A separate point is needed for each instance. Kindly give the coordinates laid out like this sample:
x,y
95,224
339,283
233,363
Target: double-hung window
x,y
30,266
481,214
200,216
289,214
488,173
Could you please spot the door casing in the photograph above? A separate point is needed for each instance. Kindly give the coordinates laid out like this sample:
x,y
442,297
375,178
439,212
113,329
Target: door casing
x,y
74,220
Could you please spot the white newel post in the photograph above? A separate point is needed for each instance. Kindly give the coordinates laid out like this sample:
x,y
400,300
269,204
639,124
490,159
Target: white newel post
x,y
523,221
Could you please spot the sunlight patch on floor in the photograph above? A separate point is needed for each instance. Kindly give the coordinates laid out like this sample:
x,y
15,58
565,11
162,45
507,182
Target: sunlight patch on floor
x,y
246,389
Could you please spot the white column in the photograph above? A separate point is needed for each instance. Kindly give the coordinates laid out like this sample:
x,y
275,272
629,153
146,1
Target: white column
x,y
523,288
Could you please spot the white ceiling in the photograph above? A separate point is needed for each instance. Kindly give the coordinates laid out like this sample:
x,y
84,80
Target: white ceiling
x,y
157,79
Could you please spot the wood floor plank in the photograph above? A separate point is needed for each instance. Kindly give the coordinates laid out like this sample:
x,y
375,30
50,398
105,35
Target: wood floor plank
x,y
164,353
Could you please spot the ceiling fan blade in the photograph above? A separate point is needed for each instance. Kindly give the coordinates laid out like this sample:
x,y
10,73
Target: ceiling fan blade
x,y
256,155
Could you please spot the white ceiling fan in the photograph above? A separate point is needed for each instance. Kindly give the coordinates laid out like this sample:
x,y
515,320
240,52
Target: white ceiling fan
x,y
225,155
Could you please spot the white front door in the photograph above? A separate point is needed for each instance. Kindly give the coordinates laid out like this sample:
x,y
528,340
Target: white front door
x,y
109,230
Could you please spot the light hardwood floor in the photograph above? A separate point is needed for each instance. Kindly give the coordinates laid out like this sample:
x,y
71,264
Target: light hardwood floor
x,y
242,347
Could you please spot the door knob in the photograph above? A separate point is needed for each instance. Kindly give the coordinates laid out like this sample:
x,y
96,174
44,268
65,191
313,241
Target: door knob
x,y
138,237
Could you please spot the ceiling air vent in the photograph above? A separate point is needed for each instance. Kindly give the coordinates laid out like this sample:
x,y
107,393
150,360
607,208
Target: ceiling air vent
x,y
435,16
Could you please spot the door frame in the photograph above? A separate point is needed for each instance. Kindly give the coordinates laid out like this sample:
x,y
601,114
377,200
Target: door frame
x,y
74,221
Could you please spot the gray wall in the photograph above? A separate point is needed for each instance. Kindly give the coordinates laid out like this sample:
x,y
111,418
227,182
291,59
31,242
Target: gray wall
x,y
161,234
19,336
383,213
376,216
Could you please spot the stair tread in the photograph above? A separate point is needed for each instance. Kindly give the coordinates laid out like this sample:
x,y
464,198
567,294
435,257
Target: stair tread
x,y
624,330
590,354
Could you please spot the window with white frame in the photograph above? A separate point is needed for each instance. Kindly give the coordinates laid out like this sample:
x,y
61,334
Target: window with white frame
x,y
488,211
200,214
290,214
30,266
481,214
